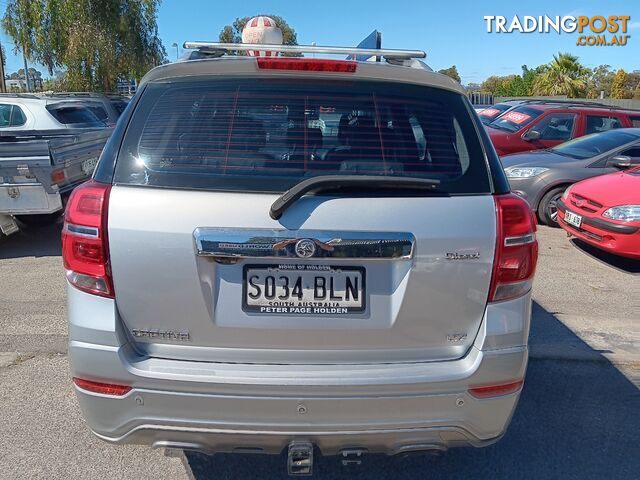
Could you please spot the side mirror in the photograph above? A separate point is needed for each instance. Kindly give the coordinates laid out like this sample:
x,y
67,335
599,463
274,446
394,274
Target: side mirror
x,y
619,161
531,135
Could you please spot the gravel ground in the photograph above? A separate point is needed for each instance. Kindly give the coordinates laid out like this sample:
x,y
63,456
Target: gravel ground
x,y
577,418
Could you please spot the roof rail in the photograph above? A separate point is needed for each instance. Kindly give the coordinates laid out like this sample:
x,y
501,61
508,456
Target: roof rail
x,y
219,49
569,102
73,94
18,95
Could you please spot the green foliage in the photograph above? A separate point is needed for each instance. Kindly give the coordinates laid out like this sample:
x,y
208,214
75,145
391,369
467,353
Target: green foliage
x,y
511,85
233,33
636,93
451,72
619,85
600,81
564,75
96,42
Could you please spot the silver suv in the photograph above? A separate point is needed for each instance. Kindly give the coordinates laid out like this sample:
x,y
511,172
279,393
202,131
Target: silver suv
x,y
243,280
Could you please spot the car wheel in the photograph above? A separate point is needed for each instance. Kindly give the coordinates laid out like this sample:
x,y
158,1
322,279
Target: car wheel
x,y
548,208
39,220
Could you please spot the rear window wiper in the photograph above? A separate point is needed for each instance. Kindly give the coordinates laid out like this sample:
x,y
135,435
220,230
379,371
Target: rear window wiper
x,y
337,182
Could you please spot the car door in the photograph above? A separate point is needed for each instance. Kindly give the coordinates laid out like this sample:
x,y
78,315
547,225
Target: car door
x,y
596,123
633,153
12,117
603,165
553,129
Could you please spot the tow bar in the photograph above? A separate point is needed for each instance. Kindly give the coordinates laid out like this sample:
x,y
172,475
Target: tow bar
x,y
300,458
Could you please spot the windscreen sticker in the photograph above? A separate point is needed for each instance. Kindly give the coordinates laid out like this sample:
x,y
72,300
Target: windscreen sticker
x,y
516,117
489,112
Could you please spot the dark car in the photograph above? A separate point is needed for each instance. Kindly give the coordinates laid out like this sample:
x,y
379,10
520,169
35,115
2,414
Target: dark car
x,y
537,124
542,176
489,114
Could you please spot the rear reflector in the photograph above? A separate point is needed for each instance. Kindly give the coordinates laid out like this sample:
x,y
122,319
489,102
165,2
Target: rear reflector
x,y
102,388
489,391
307,64
85,249
516,249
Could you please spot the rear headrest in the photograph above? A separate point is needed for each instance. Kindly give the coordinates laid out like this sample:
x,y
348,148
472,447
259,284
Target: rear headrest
x,y
296,138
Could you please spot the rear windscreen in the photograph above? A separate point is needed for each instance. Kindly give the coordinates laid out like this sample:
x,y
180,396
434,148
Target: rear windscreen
x,y
98,111
269,134
74,115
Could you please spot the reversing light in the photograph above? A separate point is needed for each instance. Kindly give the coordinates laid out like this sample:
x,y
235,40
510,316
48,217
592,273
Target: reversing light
x,y
489,391
307,64
102,388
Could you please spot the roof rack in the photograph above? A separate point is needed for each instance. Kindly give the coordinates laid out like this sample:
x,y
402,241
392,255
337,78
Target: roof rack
x,y
220,49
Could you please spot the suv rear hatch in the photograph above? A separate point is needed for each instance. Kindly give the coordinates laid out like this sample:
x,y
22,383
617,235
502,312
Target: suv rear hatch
x,y
349,274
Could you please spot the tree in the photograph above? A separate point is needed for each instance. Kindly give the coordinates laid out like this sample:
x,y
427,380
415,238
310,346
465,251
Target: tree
x,y
451,72
633,81
233,33
94,41
619,85
35,78
564,75
636,93
494,84
600,81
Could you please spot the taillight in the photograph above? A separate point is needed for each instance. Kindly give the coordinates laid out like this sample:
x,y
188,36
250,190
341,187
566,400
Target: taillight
x,y
57,177
102,388
488,391
85,249
516,249
307,64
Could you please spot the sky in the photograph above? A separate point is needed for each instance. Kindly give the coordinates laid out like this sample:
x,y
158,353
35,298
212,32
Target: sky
x,y
451,32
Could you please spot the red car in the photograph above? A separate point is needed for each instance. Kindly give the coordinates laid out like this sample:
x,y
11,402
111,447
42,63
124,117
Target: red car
x,y
537,124
604,211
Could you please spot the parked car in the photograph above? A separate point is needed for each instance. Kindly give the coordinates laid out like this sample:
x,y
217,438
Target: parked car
x,y
605,212
542,176
492,112
107,108
368,290
26,112
536,125
479,108
47,147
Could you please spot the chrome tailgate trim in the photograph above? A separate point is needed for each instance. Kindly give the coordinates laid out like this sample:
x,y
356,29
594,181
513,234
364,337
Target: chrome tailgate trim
x,y
225,243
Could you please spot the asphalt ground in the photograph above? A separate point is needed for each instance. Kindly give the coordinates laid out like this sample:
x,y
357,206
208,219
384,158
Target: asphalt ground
x,y
577,418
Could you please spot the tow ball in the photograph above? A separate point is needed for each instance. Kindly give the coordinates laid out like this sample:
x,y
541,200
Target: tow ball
x,y
300,458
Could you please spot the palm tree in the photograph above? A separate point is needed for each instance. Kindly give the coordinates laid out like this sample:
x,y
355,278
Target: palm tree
x,y
565,75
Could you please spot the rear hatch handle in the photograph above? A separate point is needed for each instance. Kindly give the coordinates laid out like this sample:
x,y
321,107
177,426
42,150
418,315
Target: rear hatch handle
x,y
341,182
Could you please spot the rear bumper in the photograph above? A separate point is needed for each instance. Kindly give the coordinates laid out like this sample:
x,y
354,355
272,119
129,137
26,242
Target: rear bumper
x,y
609,236
213,407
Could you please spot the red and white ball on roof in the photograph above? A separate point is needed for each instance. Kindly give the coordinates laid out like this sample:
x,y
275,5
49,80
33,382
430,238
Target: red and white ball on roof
x,y
262,30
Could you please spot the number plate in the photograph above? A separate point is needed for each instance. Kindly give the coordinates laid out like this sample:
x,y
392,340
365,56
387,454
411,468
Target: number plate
x,y
572,219
303,289
89,165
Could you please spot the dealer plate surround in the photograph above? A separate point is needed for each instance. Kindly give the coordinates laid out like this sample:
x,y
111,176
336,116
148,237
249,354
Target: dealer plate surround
x,y
303,289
